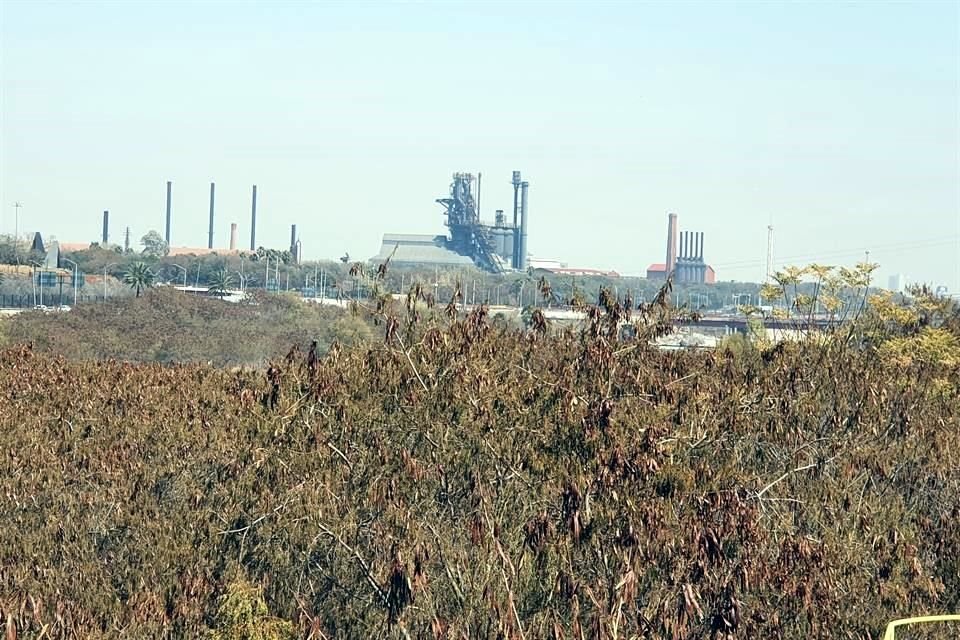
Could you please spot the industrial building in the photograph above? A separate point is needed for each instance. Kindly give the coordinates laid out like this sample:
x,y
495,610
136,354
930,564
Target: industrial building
x,y
684,257
497,247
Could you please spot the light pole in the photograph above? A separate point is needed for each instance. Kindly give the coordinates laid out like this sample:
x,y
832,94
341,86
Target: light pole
x,y
197,283
266,275
74,281
242,281
112,264
184,269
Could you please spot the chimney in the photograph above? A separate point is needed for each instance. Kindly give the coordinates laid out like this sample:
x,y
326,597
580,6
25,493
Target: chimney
x,y
293,243
106,227
210,231
524,218
516,220
169,188
671,243
233,236
253,220
700,253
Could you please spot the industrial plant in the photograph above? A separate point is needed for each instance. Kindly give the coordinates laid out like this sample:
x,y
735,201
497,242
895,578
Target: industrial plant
x,y
499,246
496,248
685,262
295,244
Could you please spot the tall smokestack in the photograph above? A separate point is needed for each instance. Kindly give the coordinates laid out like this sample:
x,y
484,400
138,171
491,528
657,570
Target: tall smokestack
x,y
293,242
671,243
516,219
106,227
169,188
524,219
253,220
233,236
700,252
210,232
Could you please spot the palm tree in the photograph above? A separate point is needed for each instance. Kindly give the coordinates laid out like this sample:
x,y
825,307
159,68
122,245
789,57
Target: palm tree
x,y
220,283
139,277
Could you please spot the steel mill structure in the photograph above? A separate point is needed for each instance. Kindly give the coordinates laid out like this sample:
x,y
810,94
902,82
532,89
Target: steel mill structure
x,y
497,247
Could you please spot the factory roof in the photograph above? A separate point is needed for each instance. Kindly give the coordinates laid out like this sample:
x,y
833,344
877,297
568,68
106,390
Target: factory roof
x,y
419,249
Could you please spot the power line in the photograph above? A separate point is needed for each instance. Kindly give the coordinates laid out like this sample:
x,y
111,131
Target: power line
x,y
916,244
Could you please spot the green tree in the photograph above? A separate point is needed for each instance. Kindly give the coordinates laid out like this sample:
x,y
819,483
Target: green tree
x,y
220,282
153,245
139,276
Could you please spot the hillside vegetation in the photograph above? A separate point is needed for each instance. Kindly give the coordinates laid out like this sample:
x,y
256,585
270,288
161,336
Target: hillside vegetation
x,y
455,480
165,325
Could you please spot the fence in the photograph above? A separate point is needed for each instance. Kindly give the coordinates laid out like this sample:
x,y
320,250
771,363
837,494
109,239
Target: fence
x,y
28,300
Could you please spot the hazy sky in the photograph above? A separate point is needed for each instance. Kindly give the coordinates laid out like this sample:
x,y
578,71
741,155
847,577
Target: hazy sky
x,y
838,122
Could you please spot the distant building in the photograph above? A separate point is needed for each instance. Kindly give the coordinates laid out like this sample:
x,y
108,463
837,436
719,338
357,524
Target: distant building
x,y
413,249
658,271
543,263
898,283
576,271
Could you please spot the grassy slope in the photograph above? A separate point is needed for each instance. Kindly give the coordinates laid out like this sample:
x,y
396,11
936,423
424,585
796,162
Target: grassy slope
x,y
518,486
167,326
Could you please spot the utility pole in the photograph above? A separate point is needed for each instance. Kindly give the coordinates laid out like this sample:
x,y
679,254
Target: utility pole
x,y
16,228
769,252
126,241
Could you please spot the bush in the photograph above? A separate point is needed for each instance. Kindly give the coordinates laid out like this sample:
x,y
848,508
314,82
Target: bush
x,y
457,480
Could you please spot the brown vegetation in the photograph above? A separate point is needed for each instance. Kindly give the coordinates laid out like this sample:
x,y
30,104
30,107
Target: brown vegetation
x,y
165,325
462,481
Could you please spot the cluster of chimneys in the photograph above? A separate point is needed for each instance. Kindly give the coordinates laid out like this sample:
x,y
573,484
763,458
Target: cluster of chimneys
x,y
690,258
234,235
295,245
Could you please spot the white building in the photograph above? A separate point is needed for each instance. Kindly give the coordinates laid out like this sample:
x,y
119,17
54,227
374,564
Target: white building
x,y
898,283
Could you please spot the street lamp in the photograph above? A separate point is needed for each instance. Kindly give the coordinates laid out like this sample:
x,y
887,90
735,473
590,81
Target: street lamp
x,y
112,264
184,269
74,281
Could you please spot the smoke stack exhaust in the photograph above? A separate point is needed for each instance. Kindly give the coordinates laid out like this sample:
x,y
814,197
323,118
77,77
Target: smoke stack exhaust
x,y
253,220
106,227
169,189
234,236
210,230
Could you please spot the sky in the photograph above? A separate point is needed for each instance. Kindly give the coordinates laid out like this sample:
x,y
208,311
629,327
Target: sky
x,y
837,123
